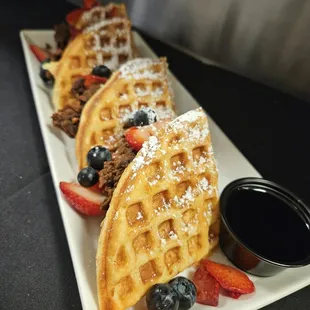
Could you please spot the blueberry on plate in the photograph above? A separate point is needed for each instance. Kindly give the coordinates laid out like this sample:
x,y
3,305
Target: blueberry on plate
x,y
45,75
97,156
186,291
88,177
101,71
145,116
162,297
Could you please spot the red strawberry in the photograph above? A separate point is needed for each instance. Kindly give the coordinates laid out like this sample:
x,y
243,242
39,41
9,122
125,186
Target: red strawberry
x,y
93,79
208,289
233,295
82,199
230,278
38,52
136,136
73,17
88,4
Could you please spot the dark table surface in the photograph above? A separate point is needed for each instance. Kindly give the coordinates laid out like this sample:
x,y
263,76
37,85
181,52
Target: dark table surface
x,y
268,126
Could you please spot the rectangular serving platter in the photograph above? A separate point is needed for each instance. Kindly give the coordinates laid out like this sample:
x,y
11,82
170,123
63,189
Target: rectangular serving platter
x,y
82,232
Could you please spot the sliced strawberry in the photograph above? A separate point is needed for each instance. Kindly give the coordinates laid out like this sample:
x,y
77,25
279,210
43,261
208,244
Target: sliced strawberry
x,y
82,199
89,4
95,188
73,17
230,278
38,52
136,136
233,295
208,289
93,79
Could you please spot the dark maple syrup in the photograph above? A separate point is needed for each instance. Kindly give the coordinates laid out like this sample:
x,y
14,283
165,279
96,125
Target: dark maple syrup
x,y
268,225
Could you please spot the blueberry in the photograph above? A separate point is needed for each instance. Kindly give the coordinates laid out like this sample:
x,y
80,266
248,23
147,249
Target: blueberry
x,y
162,297
88,177
101,71
97,156
145,116
45,75
186,290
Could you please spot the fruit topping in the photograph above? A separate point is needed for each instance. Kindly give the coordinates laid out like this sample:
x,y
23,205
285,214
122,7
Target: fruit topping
x,y
230,278
233,295
162,297
38,52
89,80
97,156
45,75
186,291
101,71
88,177
208,289
73,17
89,4
136,136
82,199
143,117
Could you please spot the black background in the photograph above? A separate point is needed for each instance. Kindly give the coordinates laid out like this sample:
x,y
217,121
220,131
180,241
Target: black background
x,y
269,127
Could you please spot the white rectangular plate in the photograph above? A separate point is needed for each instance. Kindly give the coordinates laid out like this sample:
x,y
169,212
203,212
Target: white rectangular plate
x,y
82,232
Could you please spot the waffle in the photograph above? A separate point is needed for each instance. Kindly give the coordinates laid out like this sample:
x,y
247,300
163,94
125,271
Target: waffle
x,y
163,216
108,42
139,83
99,13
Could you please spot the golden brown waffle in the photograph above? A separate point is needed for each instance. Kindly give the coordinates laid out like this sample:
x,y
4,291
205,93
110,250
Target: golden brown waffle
x,y
108,42
142,82
163,216
99,13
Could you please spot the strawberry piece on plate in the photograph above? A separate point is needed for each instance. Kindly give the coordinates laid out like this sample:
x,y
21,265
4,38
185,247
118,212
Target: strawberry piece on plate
x,y
208,289
38,52
230,278
93,79
84,200
233,295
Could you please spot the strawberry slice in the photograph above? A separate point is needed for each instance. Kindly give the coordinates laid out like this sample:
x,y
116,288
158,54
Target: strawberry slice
x,y
136,136
73,17
93,79
233,295
208,289
38,52
83,200
89,4
230,278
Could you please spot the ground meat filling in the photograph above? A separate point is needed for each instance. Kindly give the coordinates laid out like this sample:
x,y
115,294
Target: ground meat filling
x,y
82,93
62,35
113,170
68,118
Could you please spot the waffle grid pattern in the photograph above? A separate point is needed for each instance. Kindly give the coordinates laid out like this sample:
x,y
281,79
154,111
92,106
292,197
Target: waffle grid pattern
x,y
170,223
102,123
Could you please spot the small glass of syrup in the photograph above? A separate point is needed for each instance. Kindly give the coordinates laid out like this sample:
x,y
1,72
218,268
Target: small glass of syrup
x,y
265,228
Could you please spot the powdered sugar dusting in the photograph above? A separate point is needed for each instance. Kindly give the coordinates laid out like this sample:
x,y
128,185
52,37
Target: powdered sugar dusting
x,y
139,68
146,154
111,47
